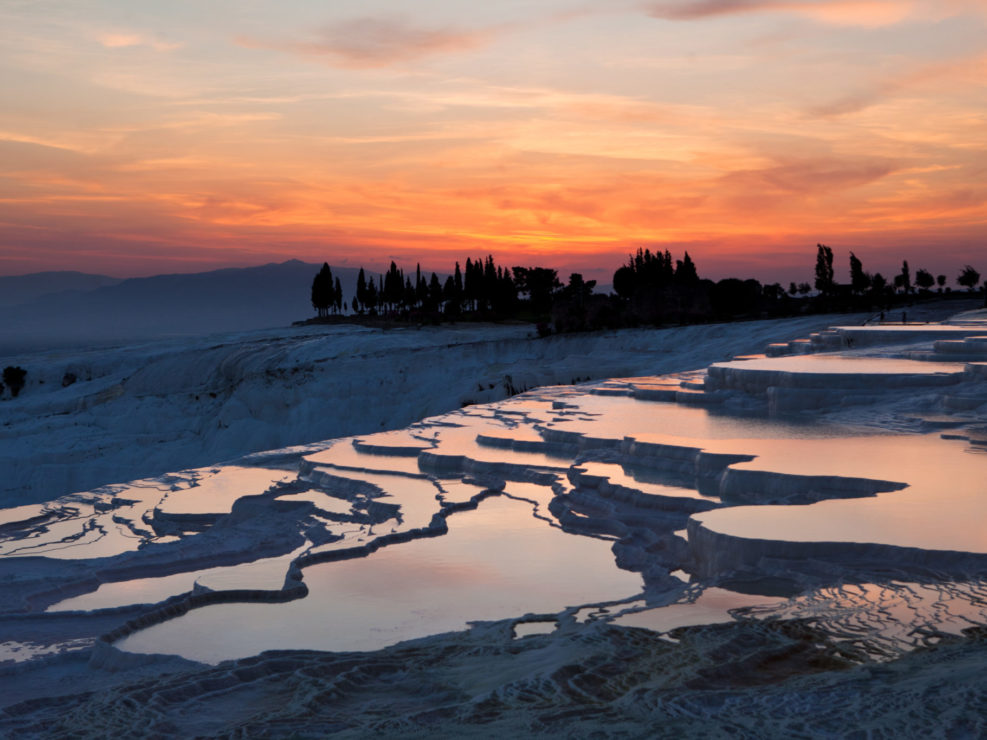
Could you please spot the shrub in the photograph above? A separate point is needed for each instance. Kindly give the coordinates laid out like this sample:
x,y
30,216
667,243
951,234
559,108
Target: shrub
x,y
14,377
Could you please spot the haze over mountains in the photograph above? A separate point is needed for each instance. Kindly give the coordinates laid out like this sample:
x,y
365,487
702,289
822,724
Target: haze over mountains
x,y
63,309
19,289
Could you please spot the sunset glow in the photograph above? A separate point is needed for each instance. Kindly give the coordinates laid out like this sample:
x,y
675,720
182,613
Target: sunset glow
x,y
144,137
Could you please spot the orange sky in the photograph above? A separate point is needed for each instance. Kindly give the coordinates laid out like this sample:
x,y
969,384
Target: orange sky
x,y
144,137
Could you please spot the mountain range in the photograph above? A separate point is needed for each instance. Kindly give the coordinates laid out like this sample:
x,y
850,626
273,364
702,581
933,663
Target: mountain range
x,y
61,309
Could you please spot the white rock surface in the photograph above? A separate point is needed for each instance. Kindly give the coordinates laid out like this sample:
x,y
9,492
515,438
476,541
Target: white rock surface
x,y
145,409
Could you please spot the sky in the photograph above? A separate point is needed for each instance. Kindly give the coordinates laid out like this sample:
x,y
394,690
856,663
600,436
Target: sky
x,y
139,137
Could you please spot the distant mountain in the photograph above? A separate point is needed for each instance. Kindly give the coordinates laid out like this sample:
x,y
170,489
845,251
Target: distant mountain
x,y
27,288
233,299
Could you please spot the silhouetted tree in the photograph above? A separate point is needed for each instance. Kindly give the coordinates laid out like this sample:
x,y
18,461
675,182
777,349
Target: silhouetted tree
x,y
878,285
337,295
647,274
452,295
14,376
578,288
773,292
859,280
924,279
434,293
940,281
685,271
504,299
393,287
735,297
488,284
470,286
421,287
361,291
624,281
323,294
968,278
372,298
569,309
824,269
540,284
903,279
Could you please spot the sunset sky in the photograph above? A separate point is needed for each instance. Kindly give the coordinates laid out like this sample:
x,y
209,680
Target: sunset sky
x,y
139,136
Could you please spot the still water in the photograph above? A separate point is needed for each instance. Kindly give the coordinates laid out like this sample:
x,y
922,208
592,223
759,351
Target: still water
x,y
496,562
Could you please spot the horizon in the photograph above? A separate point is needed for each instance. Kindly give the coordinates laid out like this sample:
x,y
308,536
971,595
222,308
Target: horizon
x,y
141,139
381,271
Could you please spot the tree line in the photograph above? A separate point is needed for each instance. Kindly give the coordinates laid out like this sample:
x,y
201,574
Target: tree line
x,y
481,288
650,288
878,287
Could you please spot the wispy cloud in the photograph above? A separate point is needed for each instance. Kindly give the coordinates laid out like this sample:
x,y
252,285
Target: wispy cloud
x,y
967,70
840,12
818,175
128,39
366,43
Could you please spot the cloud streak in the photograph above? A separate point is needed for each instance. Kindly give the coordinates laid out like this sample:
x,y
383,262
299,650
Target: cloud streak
x,y
968,70
815,176
368,43
125,40
838,12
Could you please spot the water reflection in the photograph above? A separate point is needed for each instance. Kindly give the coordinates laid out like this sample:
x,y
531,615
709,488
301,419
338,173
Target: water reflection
x,y
215,490
510,558
496,562
847,365
943,507
616,417
712,606
266,573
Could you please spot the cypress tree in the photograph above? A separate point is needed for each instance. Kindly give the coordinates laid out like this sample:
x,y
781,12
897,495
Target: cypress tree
x,y
469,284
488,283
393,292
506,292
322,291
685,271
371,297
859,280
361,290
665,269
434,292
824,269
421,287
458,291
905,278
